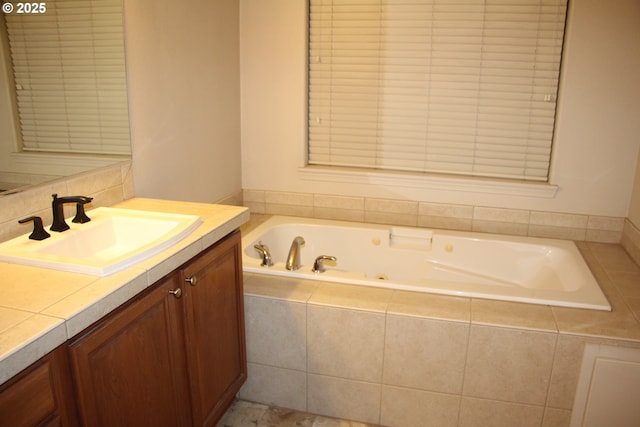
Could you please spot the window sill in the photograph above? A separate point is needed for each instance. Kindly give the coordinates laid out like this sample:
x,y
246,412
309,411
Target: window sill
x,y
429,181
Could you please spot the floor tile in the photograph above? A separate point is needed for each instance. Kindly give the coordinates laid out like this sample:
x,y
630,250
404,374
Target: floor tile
x,y
249,414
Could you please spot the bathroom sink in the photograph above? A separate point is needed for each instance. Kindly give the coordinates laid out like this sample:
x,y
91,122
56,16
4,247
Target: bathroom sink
x,y
113,240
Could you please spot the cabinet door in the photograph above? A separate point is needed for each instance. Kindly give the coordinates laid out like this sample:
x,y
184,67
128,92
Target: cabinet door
x,y
41,395
214,323
130,368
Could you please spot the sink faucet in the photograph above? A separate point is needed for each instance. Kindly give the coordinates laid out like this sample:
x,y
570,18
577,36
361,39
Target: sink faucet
x,y
293,259
59,223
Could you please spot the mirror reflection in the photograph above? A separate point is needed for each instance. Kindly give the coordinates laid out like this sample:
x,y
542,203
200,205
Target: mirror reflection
x,y
63,97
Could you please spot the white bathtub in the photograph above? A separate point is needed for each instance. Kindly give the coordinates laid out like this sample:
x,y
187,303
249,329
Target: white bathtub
x,y
477,265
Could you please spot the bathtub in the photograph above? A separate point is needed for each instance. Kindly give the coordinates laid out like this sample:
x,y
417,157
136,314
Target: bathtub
x,y
476,265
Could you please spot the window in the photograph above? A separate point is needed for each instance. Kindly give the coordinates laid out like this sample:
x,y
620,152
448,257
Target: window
x,y
69,72
465,87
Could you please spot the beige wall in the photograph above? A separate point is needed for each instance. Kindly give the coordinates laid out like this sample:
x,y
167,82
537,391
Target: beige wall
x,y
183,78
597,128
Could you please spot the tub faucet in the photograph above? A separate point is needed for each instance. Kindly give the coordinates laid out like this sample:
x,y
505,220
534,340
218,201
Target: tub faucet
x,y
293,259
318,264
264,253
59,223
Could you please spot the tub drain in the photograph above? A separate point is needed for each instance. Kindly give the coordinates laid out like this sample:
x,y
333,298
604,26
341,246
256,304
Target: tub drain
x,y
382,276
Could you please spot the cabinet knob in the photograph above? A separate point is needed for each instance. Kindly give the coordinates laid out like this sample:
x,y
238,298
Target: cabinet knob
x,y
191,280
176,292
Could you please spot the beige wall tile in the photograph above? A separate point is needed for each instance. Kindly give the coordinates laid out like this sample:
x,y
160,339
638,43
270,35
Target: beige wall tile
x,y
107,197
287,198
234,199
442,223
552,232
492,413
96,181
291,210
566,369
390,218
338,202
631,240
497,227
396,212
345,343
501,313
627,282
603,236
430,306
442,216
276,332
556,417
285,288
509,364
352,296
502,215
634,306
562,220
341,398
403,407
255,207
392,206
275,386
605,223
285,203
445,210
425,354
257,196
338,214
613,257
128,186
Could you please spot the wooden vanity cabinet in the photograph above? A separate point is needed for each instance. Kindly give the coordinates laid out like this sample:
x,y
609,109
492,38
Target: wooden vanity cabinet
x,y
41,395
175,355
130,368
214,325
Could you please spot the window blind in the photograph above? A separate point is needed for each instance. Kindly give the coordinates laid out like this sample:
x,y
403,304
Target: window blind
x,y
70,77
447,86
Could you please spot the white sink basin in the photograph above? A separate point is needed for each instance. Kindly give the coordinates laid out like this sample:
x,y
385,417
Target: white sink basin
x,y
113,240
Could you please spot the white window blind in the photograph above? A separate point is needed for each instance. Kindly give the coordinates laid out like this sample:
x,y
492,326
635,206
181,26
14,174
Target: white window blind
x,y
70,77
446,86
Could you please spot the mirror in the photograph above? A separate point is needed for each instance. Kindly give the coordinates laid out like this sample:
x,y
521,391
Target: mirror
x,y
25,163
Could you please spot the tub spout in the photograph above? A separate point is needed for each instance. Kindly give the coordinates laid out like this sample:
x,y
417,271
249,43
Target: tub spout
x,y
293,259
264,253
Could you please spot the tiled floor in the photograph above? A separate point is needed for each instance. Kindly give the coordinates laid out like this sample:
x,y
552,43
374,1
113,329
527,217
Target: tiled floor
x,y
249,414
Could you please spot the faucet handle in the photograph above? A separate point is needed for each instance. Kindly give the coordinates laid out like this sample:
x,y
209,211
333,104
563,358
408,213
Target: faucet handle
x,y
318,264
81,217
39,233
264,253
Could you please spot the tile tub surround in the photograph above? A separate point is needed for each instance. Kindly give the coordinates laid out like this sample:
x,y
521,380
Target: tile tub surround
x,y
631,240
41,309
436,215
399,358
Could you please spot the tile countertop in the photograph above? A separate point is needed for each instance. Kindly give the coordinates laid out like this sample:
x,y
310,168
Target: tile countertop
x,y
41,308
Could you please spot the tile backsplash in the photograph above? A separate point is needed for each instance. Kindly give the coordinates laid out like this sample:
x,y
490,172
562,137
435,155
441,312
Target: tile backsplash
x,y
435,215
107,185
631,240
